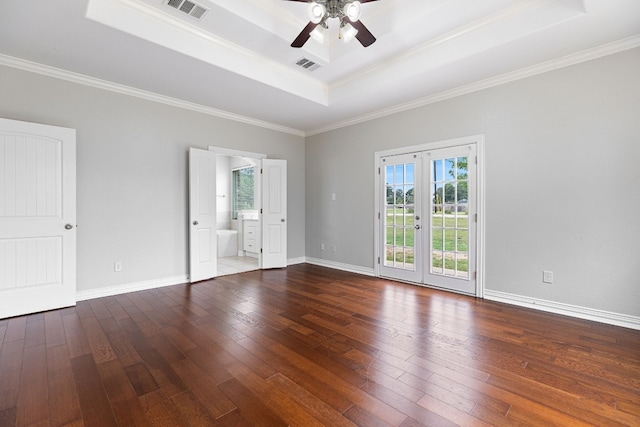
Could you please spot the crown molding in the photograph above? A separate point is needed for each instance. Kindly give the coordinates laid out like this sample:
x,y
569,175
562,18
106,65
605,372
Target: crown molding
x,y
555,64
551,65
61,74
439,40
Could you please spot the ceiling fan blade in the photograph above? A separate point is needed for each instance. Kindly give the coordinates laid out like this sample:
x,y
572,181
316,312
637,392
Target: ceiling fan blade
x,y
304,35
364,36
361,1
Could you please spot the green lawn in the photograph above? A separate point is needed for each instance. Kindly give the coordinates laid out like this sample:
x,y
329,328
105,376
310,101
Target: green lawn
x,y
449,263
449,233
443,238
407,257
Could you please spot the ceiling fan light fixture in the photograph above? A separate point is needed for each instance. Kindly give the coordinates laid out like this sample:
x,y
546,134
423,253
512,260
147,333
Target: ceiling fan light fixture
x,y
318,33
352,10
348,32
316,12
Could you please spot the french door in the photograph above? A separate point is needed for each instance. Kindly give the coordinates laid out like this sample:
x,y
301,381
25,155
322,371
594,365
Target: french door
x,y
401,217
428,218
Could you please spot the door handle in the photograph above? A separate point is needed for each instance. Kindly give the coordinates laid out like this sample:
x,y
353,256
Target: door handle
x,y
417,226
282,220
68,226
195,222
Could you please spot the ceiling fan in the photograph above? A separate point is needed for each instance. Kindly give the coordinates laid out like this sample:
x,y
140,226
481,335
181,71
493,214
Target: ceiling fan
x,y
347,11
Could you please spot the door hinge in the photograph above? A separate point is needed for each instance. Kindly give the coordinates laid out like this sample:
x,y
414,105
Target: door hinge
x,y
475,217
260,250
476,160
260,170
378,171
378,260
475,275
378,215
260,210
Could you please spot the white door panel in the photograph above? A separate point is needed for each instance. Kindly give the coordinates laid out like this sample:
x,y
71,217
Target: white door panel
x,y
37,218
274,213
401,217
203,261
450,261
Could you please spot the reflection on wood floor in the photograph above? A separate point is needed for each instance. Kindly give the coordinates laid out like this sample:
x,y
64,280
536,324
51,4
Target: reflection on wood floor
x,y
311,346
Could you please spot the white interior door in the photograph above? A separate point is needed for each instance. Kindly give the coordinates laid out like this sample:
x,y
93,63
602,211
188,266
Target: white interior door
x,y
37,218
274,213
203,253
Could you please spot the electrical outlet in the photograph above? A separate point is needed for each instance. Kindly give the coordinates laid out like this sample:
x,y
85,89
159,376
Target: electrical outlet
x,y
117,266
333,249
547,276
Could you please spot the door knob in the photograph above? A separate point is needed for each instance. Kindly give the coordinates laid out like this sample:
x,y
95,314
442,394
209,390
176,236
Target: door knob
x,y
417,226
195,222
282,220
68,226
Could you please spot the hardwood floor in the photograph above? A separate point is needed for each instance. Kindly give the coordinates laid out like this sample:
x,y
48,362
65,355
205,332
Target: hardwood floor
x,y
310,346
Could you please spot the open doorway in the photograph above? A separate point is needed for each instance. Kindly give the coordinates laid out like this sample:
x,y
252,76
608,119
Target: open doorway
x,y
258,229
237,214
238,202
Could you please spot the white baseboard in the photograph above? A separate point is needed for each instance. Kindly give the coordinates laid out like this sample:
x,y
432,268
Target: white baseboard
x,y
146,285
339,266
623,320
626,321
130,287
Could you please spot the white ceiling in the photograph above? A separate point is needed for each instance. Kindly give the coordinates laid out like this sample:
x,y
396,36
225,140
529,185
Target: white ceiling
x,y
237,61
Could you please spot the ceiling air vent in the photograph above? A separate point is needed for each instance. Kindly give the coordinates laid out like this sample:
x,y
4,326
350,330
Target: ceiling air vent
x,y
307,64
188,7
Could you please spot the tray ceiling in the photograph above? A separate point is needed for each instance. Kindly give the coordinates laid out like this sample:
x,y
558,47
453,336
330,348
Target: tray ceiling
x,y
236,57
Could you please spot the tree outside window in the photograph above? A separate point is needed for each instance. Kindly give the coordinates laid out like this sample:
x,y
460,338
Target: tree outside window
x,y
243,190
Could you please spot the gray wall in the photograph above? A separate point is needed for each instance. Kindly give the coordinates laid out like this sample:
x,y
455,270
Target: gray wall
x,y
132,173
562,181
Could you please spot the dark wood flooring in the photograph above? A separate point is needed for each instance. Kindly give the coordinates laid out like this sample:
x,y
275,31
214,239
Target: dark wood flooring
x,y
310,346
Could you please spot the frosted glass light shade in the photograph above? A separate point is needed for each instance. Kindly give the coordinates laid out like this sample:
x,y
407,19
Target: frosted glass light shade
x,y
348,33
352,10
318,34
316,12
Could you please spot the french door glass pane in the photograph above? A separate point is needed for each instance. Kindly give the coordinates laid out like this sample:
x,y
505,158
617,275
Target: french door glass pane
x,y
437,170
436,238
389,233
436,262
449,217
462,265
